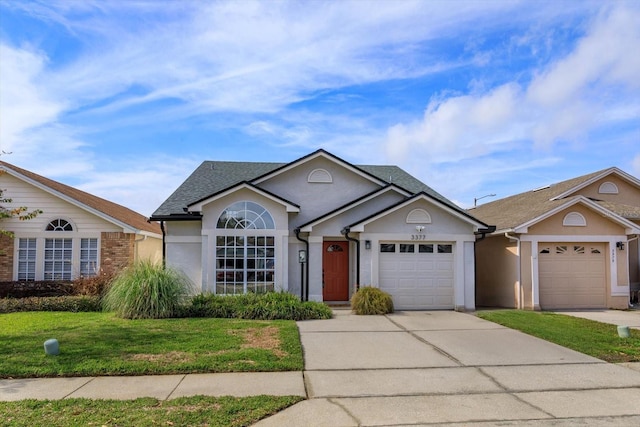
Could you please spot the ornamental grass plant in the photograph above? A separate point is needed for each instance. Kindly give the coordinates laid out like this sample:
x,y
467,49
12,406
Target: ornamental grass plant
x,y
147,290
370,300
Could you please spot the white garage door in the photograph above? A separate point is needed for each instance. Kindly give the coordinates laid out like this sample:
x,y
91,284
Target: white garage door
x,y
572,275
419,276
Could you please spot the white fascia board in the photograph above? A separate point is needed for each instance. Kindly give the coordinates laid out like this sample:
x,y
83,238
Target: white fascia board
x,y
126,228
622,174
309,227
315,156
197,207
359,227
630,227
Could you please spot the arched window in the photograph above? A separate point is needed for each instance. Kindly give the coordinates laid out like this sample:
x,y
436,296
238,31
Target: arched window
x,y
245,251
574,219
608,188
59,225
246,215
418,216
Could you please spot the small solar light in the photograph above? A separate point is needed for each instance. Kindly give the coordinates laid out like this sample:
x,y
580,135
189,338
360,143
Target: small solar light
x,y
51,347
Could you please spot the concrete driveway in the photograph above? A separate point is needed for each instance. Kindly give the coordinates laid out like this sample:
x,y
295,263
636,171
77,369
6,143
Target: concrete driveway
x,y
426,368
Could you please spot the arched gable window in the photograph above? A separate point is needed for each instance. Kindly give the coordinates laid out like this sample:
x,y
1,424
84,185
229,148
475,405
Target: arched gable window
x,y
418,216
59,225
608,188
574,219
321,176
246,215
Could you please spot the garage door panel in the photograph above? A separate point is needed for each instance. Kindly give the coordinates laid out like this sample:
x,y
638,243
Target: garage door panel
x,y
572,275
417,280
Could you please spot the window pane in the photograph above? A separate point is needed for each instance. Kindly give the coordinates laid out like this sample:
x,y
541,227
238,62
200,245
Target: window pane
x,y
245,264
387,247
425,249
88,257
57,255
27,259
246,215
445,249
406,248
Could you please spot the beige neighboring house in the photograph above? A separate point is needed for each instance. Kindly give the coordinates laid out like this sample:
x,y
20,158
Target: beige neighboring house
x,y
570,245
77,234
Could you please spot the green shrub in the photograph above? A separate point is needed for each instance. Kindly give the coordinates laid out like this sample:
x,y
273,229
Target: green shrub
x,y
67,303
369,300
147,290
268,306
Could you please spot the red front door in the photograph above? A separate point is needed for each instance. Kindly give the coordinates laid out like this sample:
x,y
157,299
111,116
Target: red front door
x,y
335,271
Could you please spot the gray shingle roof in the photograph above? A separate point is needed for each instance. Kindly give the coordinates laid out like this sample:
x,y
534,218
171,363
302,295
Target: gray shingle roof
x,y
212,177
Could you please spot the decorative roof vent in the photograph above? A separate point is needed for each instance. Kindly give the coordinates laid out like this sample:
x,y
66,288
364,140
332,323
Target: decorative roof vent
x,y
321,176
574,219
608,188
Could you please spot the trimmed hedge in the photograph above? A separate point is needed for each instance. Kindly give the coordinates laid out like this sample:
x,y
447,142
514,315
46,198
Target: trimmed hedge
x,y
268,306
67,303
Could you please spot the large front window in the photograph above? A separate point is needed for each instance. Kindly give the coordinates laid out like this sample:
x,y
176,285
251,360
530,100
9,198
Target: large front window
x,y
245,257
57,259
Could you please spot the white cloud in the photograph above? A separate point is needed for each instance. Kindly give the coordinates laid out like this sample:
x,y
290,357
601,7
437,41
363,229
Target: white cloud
x,y
564,102
23,105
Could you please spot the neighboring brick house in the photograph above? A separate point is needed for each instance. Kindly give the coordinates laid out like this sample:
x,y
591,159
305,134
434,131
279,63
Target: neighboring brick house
x,y
77,234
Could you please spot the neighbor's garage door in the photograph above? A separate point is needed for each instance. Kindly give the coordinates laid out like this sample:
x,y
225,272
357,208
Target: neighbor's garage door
x,y
572,275
419,276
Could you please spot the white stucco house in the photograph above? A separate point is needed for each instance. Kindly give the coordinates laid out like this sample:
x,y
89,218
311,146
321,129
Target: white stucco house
x,y
320,227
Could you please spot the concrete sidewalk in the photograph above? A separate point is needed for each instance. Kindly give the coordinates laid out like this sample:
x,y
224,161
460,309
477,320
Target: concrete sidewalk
x,y
159,386
445,368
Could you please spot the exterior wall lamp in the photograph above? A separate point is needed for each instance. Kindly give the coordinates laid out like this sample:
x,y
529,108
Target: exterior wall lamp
x,y
620,246
367,244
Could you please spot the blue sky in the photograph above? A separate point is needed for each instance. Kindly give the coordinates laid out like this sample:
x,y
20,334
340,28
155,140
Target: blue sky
x,y
124,99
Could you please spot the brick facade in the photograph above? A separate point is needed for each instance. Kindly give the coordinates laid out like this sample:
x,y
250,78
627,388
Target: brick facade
x,y
117,250
6,258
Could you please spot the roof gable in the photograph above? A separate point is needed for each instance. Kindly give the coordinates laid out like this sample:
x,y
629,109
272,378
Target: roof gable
x,y
451,209
308,227
199,205
116,214
630,228
591,178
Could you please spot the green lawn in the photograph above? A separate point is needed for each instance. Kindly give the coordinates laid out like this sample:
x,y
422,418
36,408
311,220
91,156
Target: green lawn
x,y
586,336
188,411
101,344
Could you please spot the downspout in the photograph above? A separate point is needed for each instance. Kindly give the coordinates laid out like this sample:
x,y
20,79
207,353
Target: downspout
x,y
629,269
520,291
304,287
346,231
164,245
